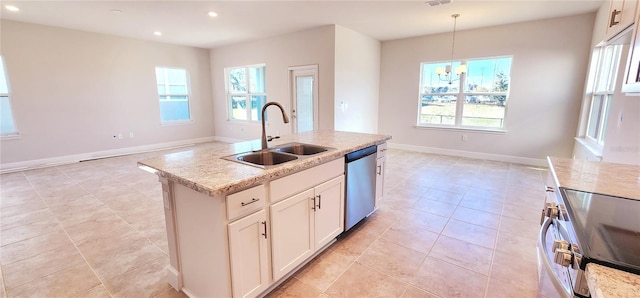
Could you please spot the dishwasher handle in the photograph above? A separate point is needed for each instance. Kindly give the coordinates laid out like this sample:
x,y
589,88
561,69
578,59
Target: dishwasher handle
x,y
355,155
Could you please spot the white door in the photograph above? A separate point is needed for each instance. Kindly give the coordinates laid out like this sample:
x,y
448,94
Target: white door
x,y
248,250
304,97
329,213
292,232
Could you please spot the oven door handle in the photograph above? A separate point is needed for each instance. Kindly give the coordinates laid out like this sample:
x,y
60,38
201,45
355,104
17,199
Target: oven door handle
x,y
542,255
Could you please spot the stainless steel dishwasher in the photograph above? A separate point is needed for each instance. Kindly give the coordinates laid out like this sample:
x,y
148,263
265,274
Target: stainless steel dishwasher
x,y
360,169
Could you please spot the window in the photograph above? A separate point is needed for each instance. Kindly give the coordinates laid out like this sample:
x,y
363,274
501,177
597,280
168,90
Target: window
x,y
601,89
173,92
246,92
7,124
481,103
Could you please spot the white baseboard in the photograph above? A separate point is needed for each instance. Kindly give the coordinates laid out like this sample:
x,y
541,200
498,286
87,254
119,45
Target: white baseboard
x,y
470,154
67,159
228,140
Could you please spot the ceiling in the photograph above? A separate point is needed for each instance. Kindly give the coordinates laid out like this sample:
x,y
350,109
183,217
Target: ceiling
x,y
187,22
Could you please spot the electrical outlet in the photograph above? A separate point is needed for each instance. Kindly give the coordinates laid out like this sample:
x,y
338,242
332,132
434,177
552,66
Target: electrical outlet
x,y
131,135
120,136
464,138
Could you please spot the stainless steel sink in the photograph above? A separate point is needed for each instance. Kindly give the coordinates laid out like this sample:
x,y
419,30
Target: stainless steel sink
x,y
262,158
300,149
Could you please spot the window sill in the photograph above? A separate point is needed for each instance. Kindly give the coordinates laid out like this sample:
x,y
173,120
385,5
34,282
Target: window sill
x,y
593,148
15,136
180,122
457,128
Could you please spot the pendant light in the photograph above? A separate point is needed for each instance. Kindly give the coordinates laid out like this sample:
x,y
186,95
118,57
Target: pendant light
x,y
449,74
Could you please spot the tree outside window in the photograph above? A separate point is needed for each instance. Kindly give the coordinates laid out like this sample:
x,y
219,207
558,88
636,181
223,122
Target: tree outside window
x,y
246,92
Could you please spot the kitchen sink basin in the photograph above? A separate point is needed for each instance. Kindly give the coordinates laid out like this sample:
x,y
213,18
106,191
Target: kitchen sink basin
x,y
264,158
300,149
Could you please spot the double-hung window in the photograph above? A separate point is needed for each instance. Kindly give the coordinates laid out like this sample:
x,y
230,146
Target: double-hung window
x,y
475,99
173,92
7,124
601,89
246,92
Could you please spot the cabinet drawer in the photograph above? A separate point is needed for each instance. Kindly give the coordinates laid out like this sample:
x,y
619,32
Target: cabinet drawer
x,y
245,202
295,183
382,150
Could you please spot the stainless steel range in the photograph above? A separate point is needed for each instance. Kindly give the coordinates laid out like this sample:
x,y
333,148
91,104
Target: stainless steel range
x,y
579,228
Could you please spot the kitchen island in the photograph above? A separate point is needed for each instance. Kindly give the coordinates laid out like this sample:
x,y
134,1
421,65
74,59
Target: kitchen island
x,y
239,230
608,179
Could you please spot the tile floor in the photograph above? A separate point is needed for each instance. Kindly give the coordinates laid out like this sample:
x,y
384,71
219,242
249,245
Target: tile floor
x,y
447,227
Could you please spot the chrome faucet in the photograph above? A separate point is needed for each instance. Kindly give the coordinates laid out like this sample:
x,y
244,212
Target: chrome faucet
x,y
284,118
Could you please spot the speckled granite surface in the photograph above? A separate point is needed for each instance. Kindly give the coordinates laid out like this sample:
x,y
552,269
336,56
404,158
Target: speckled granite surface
x,y
607,282
610,179
203,170
599,177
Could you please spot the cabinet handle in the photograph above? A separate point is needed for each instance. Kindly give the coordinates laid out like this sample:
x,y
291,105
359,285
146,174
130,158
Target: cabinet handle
x,y
264,223
379,170
314,203
319,201
613,21
251,202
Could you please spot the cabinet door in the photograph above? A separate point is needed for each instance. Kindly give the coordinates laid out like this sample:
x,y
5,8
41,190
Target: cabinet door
x,y
329,211
380,165
248,254
291,229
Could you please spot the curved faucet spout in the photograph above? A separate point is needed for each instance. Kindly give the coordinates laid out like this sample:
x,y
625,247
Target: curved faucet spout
x,y
284,118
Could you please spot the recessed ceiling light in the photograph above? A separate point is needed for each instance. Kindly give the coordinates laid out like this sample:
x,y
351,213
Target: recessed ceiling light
x,y
11,8
157,33
213,14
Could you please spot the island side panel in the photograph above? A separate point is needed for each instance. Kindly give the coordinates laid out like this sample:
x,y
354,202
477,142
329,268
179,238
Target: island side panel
x,y
202,243
173,269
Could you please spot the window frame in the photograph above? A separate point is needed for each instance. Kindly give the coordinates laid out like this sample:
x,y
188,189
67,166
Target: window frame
x,y
461,96
248,94
16,133
601,77
168,94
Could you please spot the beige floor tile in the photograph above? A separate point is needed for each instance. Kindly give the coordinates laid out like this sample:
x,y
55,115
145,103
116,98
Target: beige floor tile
x,y
171,293
449,197
463,254
146,280
375,224
482,204
392,259
413,292
324,270
22,208
33,246
424,220
522,212
498,288
479,194
356,282
477,217
109,228
95,292
517,227
435,207
447,280
66,283
40,265
471,233
294,288
19,233
9,197
521,273
354,244
517,246
411,237
25,218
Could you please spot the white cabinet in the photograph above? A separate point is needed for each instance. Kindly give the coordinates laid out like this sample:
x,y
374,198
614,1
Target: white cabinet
x,y
621,15
248,254
304,223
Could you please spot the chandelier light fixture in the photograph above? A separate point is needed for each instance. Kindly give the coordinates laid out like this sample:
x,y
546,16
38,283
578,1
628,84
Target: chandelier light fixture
x,y
449,74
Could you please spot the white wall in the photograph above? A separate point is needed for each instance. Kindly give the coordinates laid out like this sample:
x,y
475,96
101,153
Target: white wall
x,y
550,60
357,80
72,91
314,46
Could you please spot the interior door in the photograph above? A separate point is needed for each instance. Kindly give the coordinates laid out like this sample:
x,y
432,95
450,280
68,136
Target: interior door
x,y
304,97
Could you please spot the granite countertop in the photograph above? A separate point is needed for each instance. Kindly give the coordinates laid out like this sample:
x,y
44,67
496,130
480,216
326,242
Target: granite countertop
x,y
204,170
609,282
609,179
599,177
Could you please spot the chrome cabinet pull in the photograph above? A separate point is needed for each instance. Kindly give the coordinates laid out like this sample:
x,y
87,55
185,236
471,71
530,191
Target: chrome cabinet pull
x,y
319,201
379,170
314,203
264,223
251,202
